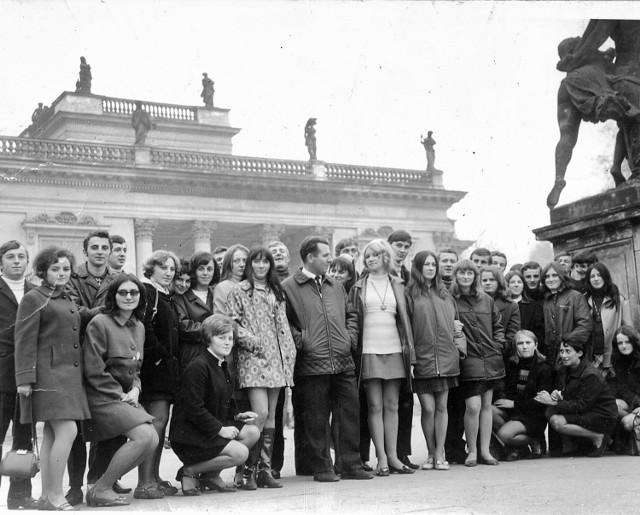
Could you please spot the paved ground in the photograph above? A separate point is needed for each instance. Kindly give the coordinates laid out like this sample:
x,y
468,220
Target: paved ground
x,y
577,485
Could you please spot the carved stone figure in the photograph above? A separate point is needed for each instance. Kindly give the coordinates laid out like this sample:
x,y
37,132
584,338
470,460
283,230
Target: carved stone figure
x,y
428,144
141,122
310,138
83,84
40,110
207,90
597,89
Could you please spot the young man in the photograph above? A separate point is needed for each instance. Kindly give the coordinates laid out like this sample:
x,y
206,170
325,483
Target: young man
x,y
13,262
564,260
325,381
531,272
348,246
401,242
498,259
582,260
281,258
118,255
447,259
481,257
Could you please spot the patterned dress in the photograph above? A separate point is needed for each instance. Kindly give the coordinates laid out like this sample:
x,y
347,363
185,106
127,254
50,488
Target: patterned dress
x,y
265,353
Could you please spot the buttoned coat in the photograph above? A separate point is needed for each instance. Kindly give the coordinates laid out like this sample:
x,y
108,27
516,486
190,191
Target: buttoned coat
x,y
49,357
8,313
191,313
265,353
87,293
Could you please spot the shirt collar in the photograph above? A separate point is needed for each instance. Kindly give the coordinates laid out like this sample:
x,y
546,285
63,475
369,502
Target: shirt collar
x,y
220,360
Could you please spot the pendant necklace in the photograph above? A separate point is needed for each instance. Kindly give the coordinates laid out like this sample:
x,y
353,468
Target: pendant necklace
x,y
383,307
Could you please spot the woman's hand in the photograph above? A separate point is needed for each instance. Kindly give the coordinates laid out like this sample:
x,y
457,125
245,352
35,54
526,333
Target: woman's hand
x,y
544,397
131,397
25,389
636,411
248,417
556,395
229,432
504,403
457,327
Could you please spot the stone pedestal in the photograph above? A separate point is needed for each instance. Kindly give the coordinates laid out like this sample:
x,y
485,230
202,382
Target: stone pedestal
x,y
609,224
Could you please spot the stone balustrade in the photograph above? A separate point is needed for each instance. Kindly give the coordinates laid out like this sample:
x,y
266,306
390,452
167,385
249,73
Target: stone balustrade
x,y
373,173
52,150
126,106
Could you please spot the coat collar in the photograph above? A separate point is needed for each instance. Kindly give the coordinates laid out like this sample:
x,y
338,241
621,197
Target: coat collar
x,y
52,293
301,278
6,291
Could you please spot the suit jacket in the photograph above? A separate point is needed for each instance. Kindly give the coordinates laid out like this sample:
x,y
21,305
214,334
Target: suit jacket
x,y
8,312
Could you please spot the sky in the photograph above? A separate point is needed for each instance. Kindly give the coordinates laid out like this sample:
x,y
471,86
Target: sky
x,y
376,75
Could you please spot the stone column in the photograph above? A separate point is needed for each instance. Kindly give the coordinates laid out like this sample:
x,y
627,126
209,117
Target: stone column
x,y
145,227
271,232
326,232
202,235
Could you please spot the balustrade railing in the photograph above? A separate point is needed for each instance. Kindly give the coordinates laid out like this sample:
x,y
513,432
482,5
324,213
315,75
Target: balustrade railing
x,y
64,150
155,110
373,173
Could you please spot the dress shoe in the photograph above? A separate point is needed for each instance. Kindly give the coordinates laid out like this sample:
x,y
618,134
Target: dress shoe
x,y
74,496
275,474
264,479
382,471
167,488
249,480
326,477
403,470
95,500
599,451
22,503
358,473
428,464
490,461
442,465
121,490
149,492
367,467
407,463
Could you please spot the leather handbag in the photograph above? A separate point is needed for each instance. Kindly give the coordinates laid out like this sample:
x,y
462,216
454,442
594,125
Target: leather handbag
x,y
22,463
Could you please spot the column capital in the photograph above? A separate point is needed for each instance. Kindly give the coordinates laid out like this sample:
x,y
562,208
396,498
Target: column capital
x,y
271,232
202,229
145,227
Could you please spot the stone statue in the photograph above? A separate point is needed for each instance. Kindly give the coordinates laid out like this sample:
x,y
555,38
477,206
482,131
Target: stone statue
x,y
40,110
207,90
428,144
597,89
141,122
310,138
83,84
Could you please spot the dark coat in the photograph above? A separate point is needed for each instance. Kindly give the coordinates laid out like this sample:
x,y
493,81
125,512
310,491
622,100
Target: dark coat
x,y
539,378
8,312
49,357
485,338
88,295
324,325
510,315
205,404
356,297
432,320
626,382
191,313
532,319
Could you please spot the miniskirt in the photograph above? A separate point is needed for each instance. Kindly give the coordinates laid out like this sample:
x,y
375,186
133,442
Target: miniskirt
x,y
434,384
474,388
382,366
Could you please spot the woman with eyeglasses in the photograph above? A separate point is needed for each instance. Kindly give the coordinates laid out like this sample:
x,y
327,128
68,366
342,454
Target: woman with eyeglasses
x,y
113,352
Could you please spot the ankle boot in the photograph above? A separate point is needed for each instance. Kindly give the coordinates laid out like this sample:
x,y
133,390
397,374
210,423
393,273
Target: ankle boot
x,y
265,479
249,474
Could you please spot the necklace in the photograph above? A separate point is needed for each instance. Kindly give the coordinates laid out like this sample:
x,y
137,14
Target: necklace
x,y
382,298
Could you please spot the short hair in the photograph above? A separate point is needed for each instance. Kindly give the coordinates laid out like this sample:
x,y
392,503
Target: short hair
x,y
110,304
50,255
562,254
184,268
216,325
564,280
219,249
400,236
310,246
380,246
577,346
481,251
584,257
530,265
275,243
634,339
345,242
461,266
96,234
516,267
116,238
227,262
447,250
498,254
202,258
502,292
345,264
12,245
159,257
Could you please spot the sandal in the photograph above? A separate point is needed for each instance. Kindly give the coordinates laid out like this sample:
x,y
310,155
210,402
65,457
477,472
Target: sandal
x,y
442,465
167,488
215,484
428,464
47,505
188,492
382,471
95,501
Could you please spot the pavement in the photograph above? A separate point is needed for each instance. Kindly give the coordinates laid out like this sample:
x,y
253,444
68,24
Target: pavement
x,y
610,484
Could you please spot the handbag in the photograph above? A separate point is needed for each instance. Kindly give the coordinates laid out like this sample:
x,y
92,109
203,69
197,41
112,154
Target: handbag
x,y
22,463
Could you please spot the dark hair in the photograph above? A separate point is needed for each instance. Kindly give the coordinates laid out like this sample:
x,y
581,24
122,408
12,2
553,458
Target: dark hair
x,y
417,282
345,242
562,254
272,276
517,273
577,346
345,264
50,255
400,236
215,325
116,238
159,257
111,305
634,340
502,292
219,249
447,250
516,267
199,259
184,268
465,264
227,262
584,257
481,251
609,289
514,345
498,254
95,234
12,245
310,246
530,265
564,280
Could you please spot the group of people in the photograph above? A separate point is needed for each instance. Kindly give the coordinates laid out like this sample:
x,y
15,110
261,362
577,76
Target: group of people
x,y
206,352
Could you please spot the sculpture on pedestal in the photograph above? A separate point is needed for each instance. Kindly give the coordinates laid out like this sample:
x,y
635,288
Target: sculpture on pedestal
x,y
310,138
141,122
596,89
83,84
207,90
428,144
39,111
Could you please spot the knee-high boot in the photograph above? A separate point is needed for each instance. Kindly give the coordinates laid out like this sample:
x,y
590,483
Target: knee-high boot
x,y
265,479
250,466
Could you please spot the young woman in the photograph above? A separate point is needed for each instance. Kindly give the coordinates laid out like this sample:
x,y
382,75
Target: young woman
x,y
160,373
518,419
48,360
233,265
582,405
385,343
494,285
206,434
265,354
113,353
432,312
483,366
531,314
342,269
609,311
181,280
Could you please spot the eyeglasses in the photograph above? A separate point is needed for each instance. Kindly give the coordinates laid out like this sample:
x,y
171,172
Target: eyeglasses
x,y
124,293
